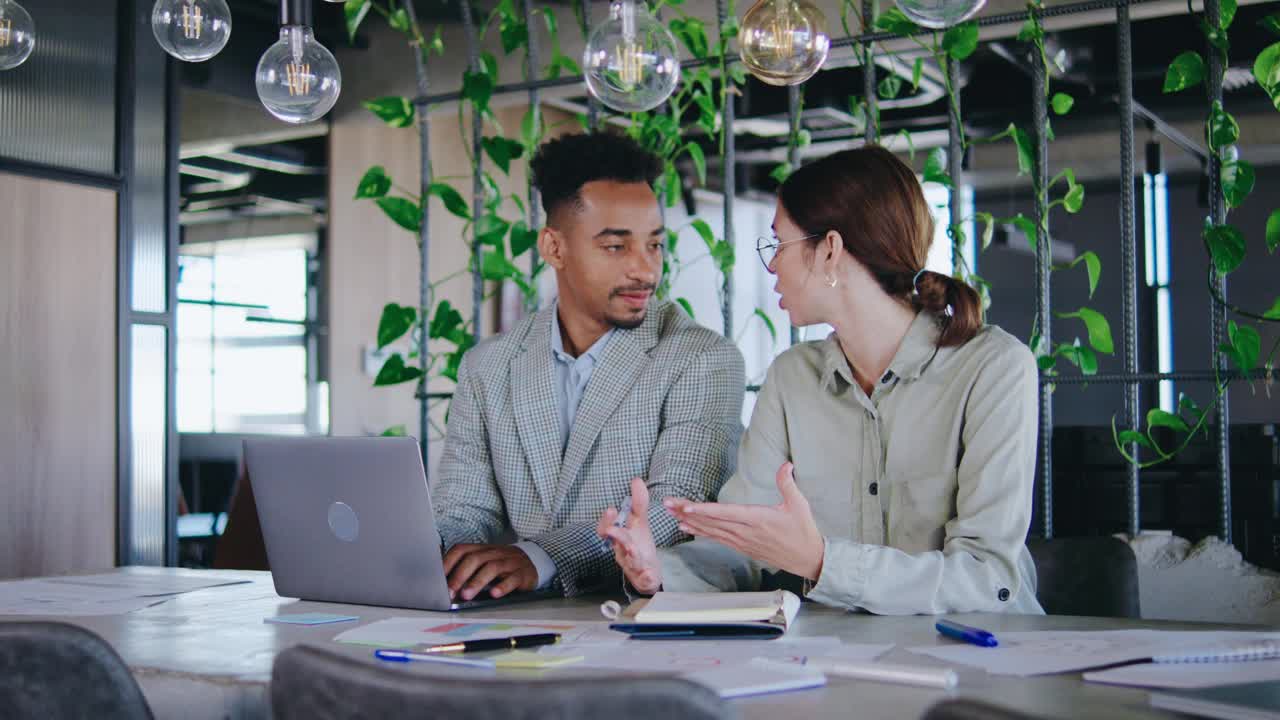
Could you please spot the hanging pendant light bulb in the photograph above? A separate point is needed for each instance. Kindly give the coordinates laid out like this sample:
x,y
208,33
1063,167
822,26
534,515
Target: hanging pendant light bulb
x,y
630,61
298,78
191,30
783,42
17,35
937,14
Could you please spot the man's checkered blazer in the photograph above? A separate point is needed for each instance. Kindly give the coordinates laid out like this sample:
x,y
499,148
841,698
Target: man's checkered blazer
x,y
664,403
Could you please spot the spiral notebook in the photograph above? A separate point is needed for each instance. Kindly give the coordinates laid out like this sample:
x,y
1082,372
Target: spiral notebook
x,y
1268,649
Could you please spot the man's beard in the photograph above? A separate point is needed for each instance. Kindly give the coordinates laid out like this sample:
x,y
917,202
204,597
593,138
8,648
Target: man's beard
x,y
630,323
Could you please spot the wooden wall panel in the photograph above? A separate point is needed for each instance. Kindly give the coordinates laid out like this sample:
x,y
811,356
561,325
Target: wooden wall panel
x,y
57,377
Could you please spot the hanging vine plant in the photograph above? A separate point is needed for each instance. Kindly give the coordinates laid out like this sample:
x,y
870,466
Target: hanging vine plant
x,y
1225,244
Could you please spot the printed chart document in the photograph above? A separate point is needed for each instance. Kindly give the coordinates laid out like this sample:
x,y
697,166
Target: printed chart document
x,y
1047,652
443,628
675,656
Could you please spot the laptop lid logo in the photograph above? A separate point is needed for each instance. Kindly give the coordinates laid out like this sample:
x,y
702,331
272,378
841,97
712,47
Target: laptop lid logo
x,y
343,522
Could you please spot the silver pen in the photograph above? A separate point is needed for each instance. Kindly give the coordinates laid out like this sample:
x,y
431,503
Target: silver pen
x,y
621,520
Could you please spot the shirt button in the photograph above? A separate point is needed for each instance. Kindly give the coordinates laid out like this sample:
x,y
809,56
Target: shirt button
x,y
1003,594
874,489
887,377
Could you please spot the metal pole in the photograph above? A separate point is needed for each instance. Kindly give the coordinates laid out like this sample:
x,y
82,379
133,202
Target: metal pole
x,y
1217,314
730,173
1128,250
477,183
872,133
1040,180
532,65
422,110
793,154
955,155
593,105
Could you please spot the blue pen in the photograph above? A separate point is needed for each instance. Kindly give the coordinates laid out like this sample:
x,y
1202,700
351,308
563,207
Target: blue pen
x,y
405,656
621,520
972,635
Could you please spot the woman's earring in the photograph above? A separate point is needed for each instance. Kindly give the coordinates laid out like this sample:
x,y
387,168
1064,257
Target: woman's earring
x,y
831,281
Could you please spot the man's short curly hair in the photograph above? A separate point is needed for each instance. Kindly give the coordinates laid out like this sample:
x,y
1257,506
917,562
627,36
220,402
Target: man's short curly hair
x,y
563,165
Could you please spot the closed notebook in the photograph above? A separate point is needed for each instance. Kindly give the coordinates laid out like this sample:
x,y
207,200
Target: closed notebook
x,y
1252,701
710,615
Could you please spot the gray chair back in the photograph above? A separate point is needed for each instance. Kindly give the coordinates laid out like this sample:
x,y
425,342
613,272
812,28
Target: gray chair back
x,y
56,670
308,683
1086,576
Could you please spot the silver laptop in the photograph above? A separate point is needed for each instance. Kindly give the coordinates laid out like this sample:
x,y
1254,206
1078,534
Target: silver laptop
x,y
349,520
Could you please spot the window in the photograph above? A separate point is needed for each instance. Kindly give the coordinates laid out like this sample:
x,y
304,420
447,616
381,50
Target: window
x,y
244,354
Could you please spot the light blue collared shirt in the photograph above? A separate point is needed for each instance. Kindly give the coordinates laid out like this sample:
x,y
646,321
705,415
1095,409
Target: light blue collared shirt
x,y
572,376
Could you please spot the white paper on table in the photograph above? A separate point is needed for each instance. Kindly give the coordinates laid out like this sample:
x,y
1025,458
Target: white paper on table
x,y
143,584
681,656
1047,652
751,678
1188,675
442,628
43,597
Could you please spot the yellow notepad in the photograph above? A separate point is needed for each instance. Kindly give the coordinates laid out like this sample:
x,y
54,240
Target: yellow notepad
x,y
526,660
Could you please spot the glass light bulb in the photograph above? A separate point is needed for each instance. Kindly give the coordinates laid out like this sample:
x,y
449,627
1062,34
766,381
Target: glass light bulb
x,y
783,42
191,30
298,78
939,13
17,35
630,61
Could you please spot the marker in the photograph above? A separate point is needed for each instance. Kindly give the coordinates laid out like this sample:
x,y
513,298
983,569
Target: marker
x,y
972,635
621,520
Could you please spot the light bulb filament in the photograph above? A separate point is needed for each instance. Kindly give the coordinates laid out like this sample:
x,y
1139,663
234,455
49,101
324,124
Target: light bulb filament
x,y
298,78
630,64
6,32
192,16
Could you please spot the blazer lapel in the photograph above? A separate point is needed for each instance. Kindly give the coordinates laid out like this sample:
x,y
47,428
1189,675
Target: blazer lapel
x,y
537,415
623,359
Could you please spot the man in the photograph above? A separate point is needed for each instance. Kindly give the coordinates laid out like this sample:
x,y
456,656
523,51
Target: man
x,y
552,420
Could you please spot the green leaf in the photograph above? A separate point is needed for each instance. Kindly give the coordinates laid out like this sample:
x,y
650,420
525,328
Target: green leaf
x,y
514,34
396,320
1074,199
917,69
453,361
781,173
1128,437
685,304
1221,129
738,74
405,213
961,40
1186,70
895,21
399,20
477,88
1216,36
355,11
1031,31
773,331
1274,312
1266,69
531,130
1237,182
704,232
1247,345
395,111
447,324
935,168
1062,103
452,200
502,151
1226,247
911,144
1272,23
1188,405
699,161
522,238
1026,151
889,87
375,183
1273,231
436,44
394,372
494,265
1098,327
1159,418
988,228
672,188
693,33
491,229
396,431
1026,225
723,255
1092,265
1226,13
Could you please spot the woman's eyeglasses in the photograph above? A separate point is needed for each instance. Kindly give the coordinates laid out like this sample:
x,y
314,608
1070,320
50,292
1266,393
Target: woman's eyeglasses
x,y
767,247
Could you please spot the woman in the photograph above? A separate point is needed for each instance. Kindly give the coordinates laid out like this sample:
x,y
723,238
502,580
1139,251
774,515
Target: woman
x,y
890,466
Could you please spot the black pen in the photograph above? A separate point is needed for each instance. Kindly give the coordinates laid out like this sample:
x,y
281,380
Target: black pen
x,y
506,643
